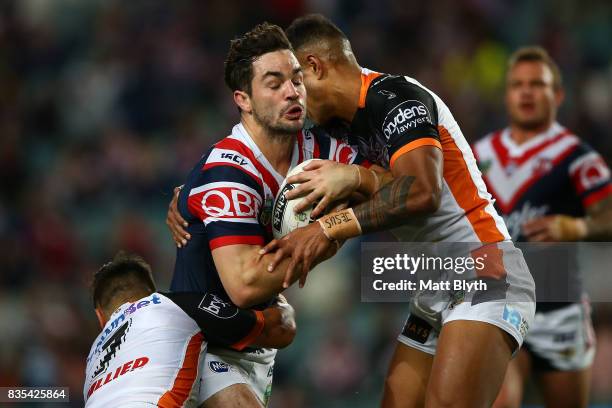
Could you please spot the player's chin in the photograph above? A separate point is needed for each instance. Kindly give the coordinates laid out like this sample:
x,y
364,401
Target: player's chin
x,y
531,121
292,125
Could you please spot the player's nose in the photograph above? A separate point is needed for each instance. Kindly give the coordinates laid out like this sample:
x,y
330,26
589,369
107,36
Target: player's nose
x,y
291,91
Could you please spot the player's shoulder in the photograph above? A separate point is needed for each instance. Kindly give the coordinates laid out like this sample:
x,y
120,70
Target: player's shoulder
x,y
394,99
230,159
387,89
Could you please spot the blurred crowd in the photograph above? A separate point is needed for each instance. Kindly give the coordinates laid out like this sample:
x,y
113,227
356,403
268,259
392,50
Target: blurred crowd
x,y
105,105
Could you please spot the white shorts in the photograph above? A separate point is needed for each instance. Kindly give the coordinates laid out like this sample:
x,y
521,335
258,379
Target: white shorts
x,y
562,339
223,368
513,312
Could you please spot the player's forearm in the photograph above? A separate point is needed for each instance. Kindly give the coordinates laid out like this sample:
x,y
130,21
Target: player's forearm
x,y
390,207
372,179
257,283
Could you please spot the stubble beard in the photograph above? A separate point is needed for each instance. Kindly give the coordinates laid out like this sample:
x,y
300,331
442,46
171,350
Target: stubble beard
x,y
276,131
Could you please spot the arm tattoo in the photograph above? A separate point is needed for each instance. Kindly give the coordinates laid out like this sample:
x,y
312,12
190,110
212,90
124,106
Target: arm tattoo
x,y
387,207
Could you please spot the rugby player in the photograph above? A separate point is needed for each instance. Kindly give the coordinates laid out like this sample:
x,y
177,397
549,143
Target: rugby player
x,y
228,196
437,195
151,347
549,186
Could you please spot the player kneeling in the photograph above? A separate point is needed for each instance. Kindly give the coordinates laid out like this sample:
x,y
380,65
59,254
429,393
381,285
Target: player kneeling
x,y
152,345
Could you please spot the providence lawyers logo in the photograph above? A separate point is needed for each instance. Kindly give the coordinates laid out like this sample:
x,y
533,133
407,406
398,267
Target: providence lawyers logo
x,y
405,116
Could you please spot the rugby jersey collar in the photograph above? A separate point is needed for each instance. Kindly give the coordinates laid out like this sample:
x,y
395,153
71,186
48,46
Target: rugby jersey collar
x,y
517,150
240,133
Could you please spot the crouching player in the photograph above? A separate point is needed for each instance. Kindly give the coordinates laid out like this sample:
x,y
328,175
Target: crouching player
x,y
152,344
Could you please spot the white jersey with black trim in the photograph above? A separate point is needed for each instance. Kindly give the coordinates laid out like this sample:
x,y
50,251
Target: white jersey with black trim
x,y
148,354
396,115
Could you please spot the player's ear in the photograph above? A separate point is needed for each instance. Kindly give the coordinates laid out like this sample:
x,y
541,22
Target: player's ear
x,y
315,65
243,101
101,318
559,96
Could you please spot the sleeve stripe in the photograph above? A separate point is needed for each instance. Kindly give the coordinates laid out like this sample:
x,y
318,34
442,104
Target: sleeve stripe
x,y
597,196
427,141
247,219
220,164
255,332
236,240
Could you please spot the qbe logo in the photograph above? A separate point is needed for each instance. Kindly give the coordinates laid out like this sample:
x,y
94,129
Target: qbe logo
x,y
227,200
407,115
218,307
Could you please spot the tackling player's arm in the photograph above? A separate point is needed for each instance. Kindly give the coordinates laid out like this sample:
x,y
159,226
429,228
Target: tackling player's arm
x,y
224,324
327,181
246,276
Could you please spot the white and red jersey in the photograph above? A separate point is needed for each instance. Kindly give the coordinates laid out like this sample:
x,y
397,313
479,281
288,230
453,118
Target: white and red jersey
x,y
552,173
228,198
150,351
396,115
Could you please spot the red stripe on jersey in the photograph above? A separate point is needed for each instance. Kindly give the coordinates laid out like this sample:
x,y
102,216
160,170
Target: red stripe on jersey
x,y
218,164
597,196
316,153
507,207
300,142
502,152
186,376
236,240
238,146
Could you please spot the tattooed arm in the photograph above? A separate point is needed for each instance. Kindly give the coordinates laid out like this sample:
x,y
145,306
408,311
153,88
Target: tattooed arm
x,y
415,189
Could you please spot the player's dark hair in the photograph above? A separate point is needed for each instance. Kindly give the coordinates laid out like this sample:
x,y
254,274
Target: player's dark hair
x,y
536,54
312,28
126,275
262,39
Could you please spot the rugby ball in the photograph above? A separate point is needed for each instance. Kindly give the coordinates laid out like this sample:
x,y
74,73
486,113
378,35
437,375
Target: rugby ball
x,y
284,218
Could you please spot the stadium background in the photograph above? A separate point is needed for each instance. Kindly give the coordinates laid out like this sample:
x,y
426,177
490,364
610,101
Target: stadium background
x,y
105,105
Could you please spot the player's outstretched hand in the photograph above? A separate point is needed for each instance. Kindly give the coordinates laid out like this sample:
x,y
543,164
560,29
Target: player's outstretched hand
x,y
175,222
306,246
323,180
